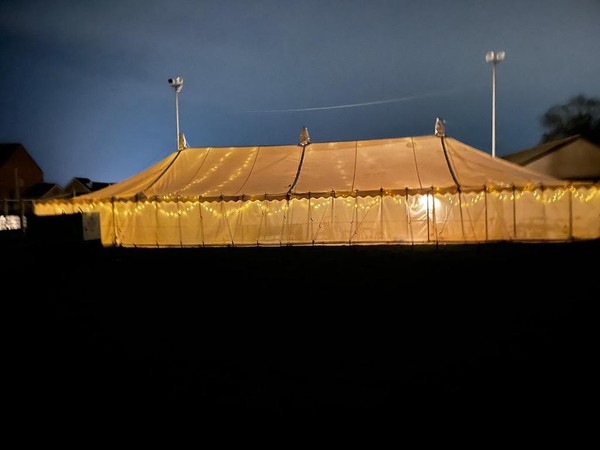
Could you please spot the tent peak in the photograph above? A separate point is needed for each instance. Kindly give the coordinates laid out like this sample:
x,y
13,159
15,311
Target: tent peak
x,y
440,129
182,143
304,137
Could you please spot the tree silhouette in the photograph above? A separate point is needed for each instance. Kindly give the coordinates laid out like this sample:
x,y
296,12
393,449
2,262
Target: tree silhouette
x,y
581,115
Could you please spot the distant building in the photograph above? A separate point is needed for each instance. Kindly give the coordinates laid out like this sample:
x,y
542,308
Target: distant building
x,y
572,158
44,191
78,186
18,171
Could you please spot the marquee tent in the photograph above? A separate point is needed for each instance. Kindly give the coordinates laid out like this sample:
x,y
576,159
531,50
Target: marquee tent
x,y
422,189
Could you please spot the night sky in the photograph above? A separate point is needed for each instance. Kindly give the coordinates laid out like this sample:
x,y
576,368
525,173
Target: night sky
x,y
83,85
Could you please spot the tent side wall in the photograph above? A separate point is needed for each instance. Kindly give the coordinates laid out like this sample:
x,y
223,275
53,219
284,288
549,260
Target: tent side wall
x,y
430,216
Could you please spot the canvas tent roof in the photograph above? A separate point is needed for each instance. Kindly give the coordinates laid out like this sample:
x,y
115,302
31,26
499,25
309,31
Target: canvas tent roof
x,y
413,163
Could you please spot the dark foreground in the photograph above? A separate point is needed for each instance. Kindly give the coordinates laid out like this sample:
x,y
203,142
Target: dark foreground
x,y
302,329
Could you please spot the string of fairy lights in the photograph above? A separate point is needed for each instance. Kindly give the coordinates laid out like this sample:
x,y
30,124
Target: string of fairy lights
x,y
223,161
359,211
415,202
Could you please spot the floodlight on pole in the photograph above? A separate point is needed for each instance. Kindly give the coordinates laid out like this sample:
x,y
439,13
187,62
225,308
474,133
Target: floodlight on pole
x,y
494,58
177,85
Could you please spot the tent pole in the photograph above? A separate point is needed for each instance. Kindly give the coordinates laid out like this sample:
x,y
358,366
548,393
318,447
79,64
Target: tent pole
x,y
354,220
224,216
177,117
427,215
514,198
260,223
458,187
284,222
460,210
381,227
201,221
408,221
114,220
435,231
485,209
331,227
156,220
310,222
544,205
180,231
570,213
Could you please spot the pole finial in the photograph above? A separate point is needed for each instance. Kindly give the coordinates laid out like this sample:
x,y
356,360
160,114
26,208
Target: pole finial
x,y
440,129
183,143
304,137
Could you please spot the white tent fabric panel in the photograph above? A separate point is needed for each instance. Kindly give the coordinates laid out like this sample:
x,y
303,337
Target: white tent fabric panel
x,y
246,221
500,213
556,214
299,224
396,226
368,223
273,171
142,217
431,164
222,171
181,173
214,225
230,172
386,164
189,217
474,168
585,207
135,184
447,217
531,216
168,224
327,167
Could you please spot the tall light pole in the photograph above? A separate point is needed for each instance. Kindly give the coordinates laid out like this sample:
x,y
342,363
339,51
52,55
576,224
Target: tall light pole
x,y
494,58
177,85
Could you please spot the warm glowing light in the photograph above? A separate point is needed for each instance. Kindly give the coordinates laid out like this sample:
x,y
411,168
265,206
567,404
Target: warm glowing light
x,y
341,216
428,202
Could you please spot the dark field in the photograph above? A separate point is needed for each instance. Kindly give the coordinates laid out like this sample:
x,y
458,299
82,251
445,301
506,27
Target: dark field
x,y
386,328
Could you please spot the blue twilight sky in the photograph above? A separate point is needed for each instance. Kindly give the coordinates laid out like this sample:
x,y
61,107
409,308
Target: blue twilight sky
x,y
83,84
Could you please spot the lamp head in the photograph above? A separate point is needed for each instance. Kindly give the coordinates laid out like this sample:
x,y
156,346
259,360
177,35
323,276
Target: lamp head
x,y
495,57
176,83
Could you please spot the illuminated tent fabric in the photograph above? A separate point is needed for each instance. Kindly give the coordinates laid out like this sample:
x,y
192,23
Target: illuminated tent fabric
x,y
402,190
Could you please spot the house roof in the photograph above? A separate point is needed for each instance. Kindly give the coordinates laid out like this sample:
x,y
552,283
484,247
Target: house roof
x,y
41,190
572,158
532,154
88,184
7,150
